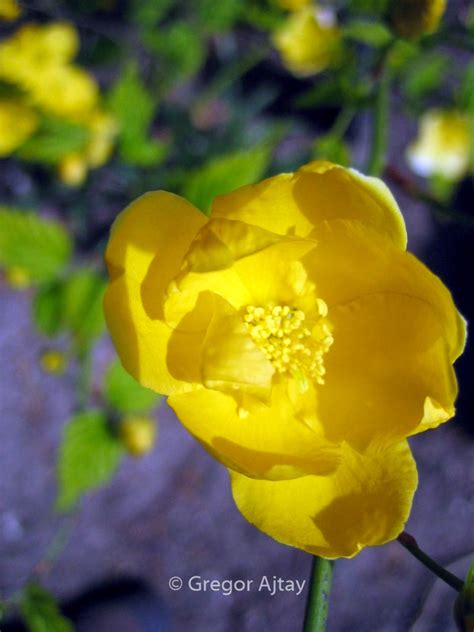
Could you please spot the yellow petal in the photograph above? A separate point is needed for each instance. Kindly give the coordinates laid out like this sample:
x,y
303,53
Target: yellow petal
x,y
146,247
388,356
294,203
352,261
230,358
364,503
252,438
224,260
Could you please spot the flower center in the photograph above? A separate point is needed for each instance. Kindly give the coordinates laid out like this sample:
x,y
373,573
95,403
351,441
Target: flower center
x,y
292,344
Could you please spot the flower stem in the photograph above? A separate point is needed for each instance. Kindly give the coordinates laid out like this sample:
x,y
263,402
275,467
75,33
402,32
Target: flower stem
x,y
381,111
409,542
317,605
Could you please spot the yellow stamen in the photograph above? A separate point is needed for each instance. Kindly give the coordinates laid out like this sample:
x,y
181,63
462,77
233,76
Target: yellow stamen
x,y
291,344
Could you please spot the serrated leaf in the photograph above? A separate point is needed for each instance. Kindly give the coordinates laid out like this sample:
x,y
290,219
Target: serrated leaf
x,y
224,174
88,457
371,33
41,612
40,247
135,109
125,394
54,139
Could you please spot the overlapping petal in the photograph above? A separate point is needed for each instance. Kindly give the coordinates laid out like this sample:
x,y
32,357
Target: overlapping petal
x,y
295,203
259,440
145,251
365,502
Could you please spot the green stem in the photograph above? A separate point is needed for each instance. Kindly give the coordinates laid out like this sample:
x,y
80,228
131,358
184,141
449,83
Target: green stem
x,y
317,605
378,152
342,122
84,379
411,545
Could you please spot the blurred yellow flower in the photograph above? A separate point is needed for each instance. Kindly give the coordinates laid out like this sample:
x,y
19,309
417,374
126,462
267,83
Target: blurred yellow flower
x,y
66,91
443,145
17,123
37,58
138,434
309,41
414,18
297,340
54,362
10,10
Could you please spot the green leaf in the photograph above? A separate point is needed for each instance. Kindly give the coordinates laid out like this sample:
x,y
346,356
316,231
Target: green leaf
x,y
425,75
466,96
125,394
332,149
47,307
73,304
181,47
226,173
135,109
464,607
88,457
41,612
81,304
147,13
371,33
54,139
219,16
40,247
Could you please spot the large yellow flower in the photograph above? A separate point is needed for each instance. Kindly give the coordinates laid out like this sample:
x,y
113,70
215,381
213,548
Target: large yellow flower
x,y
17,123
298,342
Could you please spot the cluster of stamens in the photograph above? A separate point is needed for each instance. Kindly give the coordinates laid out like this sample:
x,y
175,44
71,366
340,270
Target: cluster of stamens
x,y
291,344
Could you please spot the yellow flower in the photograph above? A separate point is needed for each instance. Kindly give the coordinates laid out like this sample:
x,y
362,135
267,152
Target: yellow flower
x,y
34,49
309,41
37,58
297,340
17,123
138,434
10,10
414,18
65,91
442,147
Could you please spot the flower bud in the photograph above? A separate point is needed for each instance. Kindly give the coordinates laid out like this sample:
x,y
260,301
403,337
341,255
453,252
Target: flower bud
x,y
138,434
18,278
309,41
413,18
73,170
53,361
